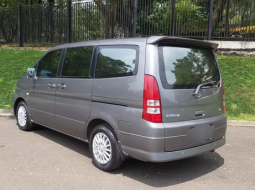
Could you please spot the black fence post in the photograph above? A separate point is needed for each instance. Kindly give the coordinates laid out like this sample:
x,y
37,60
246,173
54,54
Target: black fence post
x,y
227,21
210,20
249,35
135,18
20,31
69,21
172,18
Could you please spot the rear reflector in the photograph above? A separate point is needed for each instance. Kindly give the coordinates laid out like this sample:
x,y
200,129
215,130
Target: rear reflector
x,y
223,97
151,100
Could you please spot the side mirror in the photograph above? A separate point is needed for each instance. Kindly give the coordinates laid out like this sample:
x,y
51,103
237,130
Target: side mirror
x,y
31,72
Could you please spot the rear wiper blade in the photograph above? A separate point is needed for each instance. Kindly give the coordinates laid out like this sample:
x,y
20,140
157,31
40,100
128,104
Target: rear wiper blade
x,y
201,85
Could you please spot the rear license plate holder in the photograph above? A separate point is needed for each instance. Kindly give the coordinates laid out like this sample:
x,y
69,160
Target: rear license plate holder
x,y
200,134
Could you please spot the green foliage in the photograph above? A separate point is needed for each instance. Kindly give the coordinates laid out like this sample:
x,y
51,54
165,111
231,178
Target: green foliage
x,y
13,3
13,65
87,22
100,19
238,77
158,17
190,16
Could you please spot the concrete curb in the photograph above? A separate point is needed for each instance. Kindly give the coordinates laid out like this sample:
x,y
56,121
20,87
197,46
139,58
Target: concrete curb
x,y
241,123
6,113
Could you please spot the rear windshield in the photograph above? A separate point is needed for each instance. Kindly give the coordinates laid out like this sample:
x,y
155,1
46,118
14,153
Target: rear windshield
x,y
187,67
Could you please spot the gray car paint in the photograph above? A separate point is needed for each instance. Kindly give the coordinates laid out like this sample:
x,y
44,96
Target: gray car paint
x,y
183,103
73,105
118,101
42,101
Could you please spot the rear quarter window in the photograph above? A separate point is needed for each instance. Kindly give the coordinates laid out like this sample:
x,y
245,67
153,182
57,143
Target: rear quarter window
x,y
187,67
117,61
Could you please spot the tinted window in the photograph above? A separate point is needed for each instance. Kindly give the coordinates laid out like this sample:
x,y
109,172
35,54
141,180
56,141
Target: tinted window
x,y
48,65
77,62
187,67
117,61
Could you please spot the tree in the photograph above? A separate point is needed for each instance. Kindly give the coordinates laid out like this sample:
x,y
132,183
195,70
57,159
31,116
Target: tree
x,y
45,20
117,14
155,19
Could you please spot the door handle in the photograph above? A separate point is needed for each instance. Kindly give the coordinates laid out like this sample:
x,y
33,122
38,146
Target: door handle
x,y
61,86
199,113
50,85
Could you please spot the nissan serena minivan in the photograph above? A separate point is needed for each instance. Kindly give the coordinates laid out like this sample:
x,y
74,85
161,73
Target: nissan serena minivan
x,y
155,99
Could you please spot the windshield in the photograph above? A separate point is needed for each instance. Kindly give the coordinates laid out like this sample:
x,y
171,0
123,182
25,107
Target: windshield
x,y
187,67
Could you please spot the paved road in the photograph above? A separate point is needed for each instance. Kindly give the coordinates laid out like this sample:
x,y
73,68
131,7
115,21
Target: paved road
x,y
44,159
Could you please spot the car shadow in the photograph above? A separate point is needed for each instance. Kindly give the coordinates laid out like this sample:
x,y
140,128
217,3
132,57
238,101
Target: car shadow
x,y
152,174
171,173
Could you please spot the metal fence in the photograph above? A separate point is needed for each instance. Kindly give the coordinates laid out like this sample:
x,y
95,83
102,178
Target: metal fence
x,y
99,19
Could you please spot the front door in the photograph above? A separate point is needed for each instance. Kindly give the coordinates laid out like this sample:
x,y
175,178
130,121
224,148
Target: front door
x,y
42,96
73,91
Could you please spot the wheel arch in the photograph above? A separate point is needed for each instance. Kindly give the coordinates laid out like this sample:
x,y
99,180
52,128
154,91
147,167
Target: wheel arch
x,y
17,101
95,122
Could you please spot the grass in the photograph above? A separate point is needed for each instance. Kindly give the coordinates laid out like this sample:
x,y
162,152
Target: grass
x,y
238,75
13,65
237,72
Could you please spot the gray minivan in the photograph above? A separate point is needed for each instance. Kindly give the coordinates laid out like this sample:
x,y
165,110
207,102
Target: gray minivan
x,y
155,99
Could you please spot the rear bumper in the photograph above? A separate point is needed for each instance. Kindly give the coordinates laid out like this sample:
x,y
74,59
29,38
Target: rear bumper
x,y
173,141
181,154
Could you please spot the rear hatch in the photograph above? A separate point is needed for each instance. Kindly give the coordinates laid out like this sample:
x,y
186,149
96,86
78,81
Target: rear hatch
x,y
182,70
191,90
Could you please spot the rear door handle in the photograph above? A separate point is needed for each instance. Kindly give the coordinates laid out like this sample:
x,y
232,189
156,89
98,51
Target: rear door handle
x,y
61,86
199,113
50,85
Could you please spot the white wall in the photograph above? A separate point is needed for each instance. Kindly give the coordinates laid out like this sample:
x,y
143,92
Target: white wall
x,y
234,44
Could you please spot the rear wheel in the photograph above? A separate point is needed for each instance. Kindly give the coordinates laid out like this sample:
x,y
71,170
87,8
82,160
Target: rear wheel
x,y
23,118
104,148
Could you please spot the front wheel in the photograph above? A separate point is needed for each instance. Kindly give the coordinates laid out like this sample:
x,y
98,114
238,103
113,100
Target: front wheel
x,y
23,118
104,148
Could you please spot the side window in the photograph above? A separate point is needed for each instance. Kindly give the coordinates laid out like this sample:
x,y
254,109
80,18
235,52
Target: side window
x,y
48,65
117,61
77,62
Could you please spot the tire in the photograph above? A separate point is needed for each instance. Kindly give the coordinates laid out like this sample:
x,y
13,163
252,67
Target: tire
x,y
23,117
110,161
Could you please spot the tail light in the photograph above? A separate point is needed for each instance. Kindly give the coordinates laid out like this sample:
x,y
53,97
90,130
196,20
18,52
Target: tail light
x,y
151,100
223,98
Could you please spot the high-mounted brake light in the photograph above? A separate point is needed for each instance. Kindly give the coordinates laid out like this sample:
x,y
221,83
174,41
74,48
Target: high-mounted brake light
x,y
223,97
151,100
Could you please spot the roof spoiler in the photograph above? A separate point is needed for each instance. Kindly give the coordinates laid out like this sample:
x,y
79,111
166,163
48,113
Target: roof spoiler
x,y
178,40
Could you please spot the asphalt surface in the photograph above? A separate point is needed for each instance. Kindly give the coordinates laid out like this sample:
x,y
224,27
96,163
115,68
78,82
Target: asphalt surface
x,y
44,159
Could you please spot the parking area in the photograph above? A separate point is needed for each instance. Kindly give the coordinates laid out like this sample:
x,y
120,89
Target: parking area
x,y
45,159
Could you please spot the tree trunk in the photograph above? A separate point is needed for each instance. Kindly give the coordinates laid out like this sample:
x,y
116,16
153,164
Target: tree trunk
x,y
217,14
5,36
51,21
106,28
110,17
227,20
